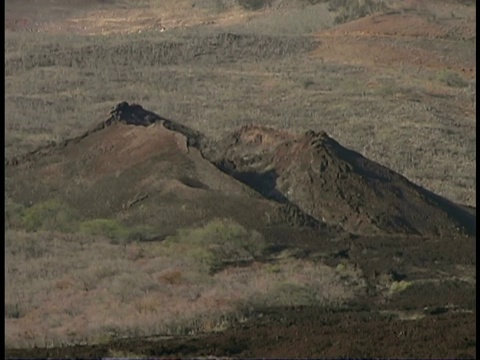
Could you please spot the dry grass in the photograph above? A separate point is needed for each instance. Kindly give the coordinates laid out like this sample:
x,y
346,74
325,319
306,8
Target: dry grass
x,y
65,289
126,17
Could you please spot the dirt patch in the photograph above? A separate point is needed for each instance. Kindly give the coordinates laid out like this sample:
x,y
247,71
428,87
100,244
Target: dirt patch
x,y
412,34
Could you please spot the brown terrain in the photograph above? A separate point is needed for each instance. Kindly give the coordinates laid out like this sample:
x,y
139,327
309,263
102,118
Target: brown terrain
x,y
156,163
236,223
315,187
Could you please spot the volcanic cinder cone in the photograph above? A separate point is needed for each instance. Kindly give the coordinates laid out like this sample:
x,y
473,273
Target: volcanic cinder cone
x,y
336,185
141,168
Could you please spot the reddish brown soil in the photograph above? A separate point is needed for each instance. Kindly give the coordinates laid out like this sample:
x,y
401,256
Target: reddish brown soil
x,y
409,36
336,185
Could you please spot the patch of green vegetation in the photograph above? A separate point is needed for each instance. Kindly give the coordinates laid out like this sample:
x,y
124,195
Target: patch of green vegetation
x,y
399,286
315,2
13,311
114,353
341,267
216,6
253,4
273,268
115,231
451,79
348,10
13,213
218,243
288,294
307,83
50,215
55,215
104,227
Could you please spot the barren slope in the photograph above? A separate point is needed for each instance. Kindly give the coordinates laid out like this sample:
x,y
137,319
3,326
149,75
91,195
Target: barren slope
x,y
336,185
141,169
412,34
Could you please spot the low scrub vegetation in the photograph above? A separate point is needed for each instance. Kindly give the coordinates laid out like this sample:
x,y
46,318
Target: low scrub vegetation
x,y
55,215
115,231
254,4
451,79
78,288
399,286
217,244
48,215
348,10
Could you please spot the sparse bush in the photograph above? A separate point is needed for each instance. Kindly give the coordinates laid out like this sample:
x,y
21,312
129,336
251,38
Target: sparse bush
x,y
336,5
50,215
289,294
399,286
54,215
109,228
451,79
315,2
273,268
13,311
13,214
106,296
219,242
349,10
129,286
254,4
308,83
115,231
213,5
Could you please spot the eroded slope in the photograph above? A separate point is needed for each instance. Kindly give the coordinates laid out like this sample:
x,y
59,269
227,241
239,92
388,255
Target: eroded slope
x,y
142,169
336,185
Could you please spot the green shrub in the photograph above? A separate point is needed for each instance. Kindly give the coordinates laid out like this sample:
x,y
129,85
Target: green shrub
x,y
349,10
140,233
13,311
315,2
105,227
13,214
451,79
399,286
50,215
288,294
115,231
217,243
253,4
54,215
